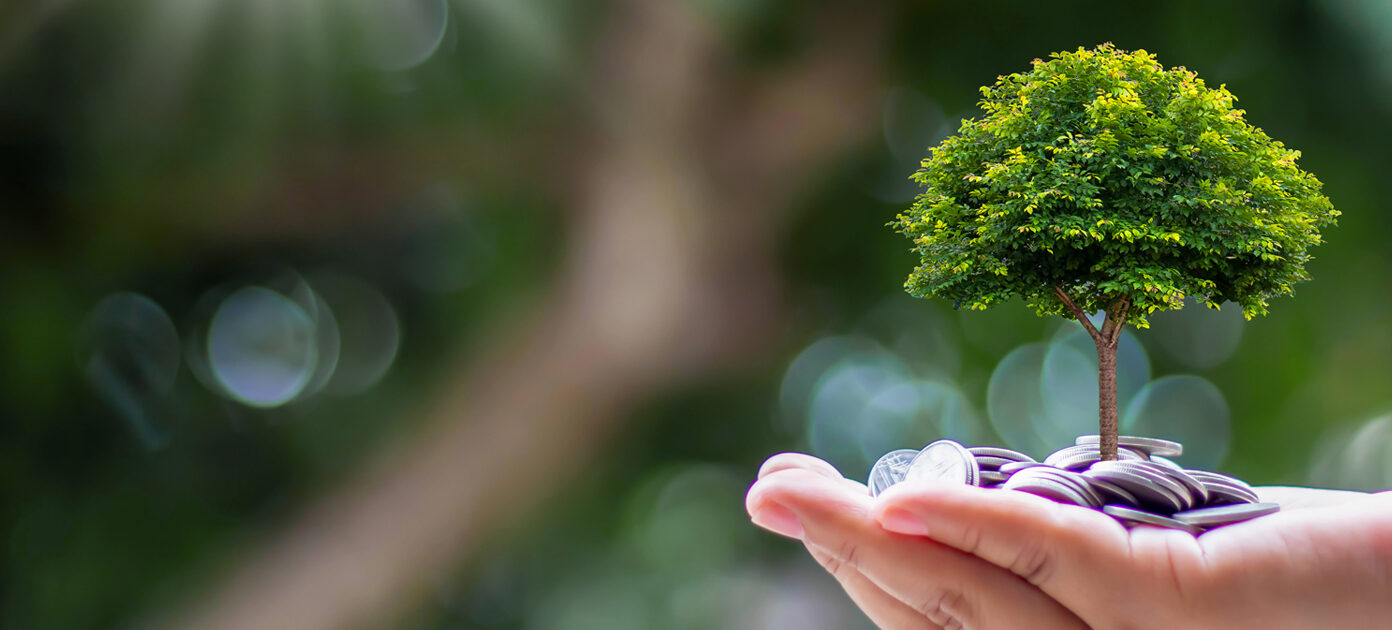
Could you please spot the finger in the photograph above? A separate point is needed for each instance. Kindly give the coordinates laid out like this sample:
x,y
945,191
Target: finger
x,y
944,585
785,461
882,608
788,461
1069,552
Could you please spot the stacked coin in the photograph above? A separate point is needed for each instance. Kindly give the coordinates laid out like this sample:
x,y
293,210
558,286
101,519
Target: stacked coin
x,y
1140,487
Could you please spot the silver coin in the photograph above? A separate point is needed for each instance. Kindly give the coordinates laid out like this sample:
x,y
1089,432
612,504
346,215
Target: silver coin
x,y
1148,493
1126,453
1112,493
1166,462
991,462
890,469
1220,493
1220,477
1047,487
993,477
1187,500
1147,445
992,451
1015,467
1069,451
1129,515
1141,486
1197,491
944,460
1086,453
1077,483
1223,488
1223,515
1195,487
1077,461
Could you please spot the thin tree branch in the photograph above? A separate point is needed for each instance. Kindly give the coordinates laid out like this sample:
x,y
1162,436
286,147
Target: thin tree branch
x,y
1078,313
1120,321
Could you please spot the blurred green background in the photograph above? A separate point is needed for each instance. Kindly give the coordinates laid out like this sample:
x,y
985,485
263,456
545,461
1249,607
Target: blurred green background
x,y
483,313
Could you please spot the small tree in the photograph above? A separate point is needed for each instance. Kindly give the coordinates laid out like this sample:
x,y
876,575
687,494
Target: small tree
x,y
1100,181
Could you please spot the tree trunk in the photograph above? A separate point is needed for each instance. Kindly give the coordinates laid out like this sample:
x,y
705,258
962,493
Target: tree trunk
x,y
1107,341
1107,399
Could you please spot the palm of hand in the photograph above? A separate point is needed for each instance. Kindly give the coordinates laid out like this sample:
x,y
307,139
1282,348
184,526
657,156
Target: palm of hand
x,y
927,556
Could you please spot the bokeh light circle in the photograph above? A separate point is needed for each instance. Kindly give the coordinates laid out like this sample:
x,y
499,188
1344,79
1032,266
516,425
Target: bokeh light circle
x,y
131,327
1197,336
261,347
918,333
807,368
953,417
327,341
1357,457
887,416
1014,404
195,344
836,429
369,331
912,123
401,34
855,400
682,524
129,353
1068,382
1187,409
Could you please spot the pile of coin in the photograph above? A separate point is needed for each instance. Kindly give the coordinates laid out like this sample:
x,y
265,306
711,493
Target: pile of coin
x,y
1141,487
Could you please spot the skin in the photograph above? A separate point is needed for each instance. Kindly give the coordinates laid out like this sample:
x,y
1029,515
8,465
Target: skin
x,y
933,555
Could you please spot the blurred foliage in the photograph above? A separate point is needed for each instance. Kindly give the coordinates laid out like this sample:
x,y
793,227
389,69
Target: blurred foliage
x,y
171,147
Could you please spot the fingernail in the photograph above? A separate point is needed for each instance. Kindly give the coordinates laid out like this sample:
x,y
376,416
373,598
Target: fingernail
x,y
902,522
778,519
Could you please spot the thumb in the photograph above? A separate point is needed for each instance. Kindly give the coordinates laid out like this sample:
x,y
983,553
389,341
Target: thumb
x,y
1067,551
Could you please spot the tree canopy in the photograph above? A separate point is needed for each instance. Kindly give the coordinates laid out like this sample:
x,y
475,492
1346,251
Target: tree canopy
x,y
1103,177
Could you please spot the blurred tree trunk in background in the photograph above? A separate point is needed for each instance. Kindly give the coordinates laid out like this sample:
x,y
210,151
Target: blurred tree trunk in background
x,y
670,269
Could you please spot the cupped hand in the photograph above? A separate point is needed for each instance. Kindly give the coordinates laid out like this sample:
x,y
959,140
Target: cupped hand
x,y
934,555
